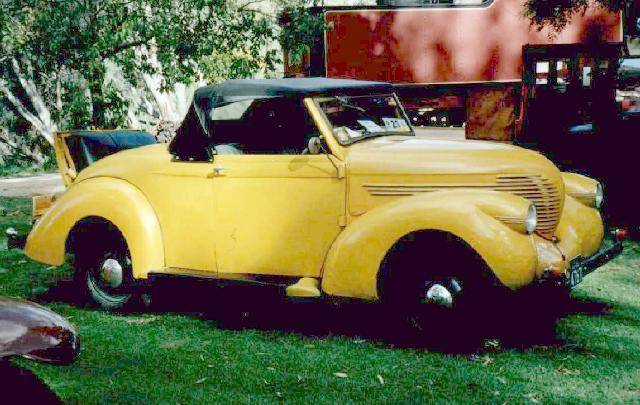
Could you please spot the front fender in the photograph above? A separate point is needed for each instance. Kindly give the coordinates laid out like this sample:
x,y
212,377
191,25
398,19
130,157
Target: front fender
x,y
352,265
112,199
581,188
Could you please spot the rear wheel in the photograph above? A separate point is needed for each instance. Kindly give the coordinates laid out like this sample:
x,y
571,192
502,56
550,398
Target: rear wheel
x,y
104,283
103,267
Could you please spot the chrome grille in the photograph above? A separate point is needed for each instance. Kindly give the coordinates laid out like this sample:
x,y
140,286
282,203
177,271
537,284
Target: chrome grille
x,y
534,187
540,191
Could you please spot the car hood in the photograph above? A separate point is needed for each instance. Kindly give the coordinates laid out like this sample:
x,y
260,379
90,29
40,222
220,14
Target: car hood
x,y
425,156
391,167
35,332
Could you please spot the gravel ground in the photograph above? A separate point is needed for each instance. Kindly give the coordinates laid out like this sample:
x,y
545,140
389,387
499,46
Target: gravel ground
x,y
48,183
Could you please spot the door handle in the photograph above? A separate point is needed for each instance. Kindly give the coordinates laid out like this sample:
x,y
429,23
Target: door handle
x,y
219,171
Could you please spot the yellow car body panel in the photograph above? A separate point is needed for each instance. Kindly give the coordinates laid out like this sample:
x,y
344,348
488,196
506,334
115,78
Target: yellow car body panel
x,y
276,214
222,214
580,230
112,199
63,158
329,216
181,194
580,187
579,235
467,214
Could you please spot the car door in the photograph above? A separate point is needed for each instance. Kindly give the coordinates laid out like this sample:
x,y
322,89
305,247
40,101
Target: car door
x,y
182,199
276,214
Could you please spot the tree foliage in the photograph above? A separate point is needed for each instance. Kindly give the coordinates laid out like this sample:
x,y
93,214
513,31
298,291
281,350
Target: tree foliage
x,y
81,63
300,26
557,13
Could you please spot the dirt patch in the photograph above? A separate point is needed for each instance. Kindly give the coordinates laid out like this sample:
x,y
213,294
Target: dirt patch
x,y
48,183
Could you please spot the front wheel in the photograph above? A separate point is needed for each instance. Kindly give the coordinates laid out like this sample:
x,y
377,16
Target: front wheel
x,y
452,311
439,289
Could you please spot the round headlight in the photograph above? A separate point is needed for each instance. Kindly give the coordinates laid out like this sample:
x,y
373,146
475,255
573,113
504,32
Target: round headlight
x,y
531,220
599,196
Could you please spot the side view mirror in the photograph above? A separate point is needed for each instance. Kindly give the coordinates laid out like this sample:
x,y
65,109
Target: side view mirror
x,y
315,145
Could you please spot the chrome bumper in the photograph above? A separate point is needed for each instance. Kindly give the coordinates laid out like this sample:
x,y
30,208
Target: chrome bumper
x,y
581,267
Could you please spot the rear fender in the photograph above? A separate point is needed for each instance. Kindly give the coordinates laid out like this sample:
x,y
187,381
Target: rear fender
x,y
352,265
115,200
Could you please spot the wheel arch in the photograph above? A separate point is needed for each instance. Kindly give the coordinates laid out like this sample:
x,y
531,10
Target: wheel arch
x,y
356,257
448,252
90,224
113,201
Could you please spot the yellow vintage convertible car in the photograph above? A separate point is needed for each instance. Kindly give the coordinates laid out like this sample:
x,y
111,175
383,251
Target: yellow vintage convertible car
x,y
320,188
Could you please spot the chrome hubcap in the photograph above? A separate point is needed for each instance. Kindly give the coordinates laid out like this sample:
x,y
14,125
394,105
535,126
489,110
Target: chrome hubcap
x,y
439,295
443,296
111,273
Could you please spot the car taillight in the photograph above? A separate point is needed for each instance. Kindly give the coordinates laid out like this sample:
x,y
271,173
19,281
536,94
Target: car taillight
x,y
620,234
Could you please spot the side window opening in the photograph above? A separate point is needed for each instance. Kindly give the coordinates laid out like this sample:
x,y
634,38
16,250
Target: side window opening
x,y
542,72
563,71
231,111
262,126
628,85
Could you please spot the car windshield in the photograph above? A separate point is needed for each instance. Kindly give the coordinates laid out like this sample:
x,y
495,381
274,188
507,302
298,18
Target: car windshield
x,y
361,117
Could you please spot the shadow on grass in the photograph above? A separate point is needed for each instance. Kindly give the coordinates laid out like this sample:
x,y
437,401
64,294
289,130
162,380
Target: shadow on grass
x,y
22,386
522,322
64,290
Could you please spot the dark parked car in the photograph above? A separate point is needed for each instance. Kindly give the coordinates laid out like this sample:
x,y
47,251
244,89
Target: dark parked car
x,y
34,332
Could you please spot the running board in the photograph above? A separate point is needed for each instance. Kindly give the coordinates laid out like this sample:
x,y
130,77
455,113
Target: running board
x,y
293,287
306,287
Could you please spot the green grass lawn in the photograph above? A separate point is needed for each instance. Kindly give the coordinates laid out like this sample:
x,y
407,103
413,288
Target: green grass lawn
x,y
187,358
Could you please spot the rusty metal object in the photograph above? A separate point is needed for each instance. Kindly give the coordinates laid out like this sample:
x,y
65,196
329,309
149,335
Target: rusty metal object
x,y
491,113
40,204
35,332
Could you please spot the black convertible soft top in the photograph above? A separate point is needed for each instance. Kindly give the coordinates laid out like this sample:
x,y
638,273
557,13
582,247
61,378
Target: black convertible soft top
x,y
300,87
194,136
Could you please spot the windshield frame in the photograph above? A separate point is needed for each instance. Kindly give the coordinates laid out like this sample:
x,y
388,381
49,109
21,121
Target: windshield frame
x,y
367,135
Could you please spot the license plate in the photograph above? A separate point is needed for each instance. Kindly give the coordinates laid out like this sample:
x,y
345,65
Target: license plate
x,y
574,277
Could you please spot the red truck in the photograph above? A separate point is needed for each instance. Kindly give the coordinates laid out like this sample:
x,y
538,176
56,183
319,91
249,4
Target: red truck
x,y
479,69
454,63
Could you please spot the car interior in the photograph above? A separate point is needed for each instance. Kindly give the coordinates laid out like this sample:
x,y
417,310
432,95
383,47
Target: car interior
x,y
269,126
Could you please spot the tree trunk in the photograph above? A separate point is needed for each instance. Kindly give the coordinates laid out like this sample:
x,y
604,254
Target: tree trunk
x,y
40,118
97,100
45,129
